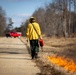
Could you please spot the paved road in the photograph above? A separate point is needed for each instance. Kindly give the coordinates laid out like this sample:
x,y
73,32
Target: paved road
x,y
14,58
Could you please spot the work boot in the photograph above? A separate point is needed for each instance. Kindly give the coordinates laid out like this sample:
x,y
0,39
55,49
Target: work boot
x,y
36,55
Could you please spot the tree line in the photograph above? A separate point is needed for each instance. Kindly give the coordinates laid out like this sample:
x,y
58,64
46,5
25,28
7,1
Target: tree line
x,y
58,18
2,22
5,26
55,19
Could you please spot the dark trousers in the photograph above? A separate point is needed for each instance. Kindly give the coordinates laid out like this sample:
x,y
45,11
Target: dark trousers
x,y
34,48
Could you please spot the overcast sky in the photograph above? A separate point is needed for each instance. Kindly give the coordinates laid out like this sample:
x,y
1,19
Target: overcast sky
x,y
20,10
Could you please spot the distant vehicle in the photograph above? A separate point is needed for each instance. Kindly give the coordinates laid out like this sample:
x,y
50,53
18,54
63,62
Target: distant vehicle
x,y
13,34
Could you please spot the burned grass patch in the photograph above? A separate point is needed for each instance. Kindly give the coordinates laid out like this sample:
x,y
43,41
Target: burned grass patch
x,y
47,69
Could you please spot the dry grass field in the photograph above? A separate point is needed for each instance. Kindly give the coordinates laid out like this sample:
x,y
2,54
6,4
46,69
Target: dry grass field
x,y
61,48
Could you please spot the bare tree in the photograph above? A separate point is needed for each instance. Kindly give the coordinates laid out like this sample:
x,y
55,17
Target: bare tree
x,y
75,16
2,22
39,14
57,18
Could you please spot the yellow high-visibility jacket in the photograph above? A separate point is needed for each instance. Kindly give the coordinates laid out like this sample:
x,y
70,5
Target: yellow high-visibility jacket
x,y
31,33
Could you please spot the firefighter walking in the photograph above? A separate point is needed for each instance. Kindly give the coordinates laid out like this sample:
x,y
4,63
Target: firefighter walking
x,y
33,33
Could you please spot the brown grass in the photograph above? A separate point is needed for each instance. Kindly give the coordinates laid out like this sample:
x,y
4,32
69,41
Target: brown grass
x,y
64,47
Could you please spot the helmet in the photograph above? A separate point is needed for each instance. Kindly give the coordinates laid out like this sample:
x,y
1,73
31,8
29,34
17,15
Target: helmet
x,y
32,19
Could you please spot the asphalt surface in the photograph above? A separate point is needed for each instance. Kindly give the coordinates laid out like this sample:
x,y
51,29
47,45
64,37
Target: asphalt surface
x,y
15,59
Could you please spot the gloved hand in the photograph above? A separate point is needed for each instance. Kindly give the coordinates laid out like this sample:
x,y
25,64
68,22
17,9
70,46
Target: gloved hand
x,y
40,37
27,40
